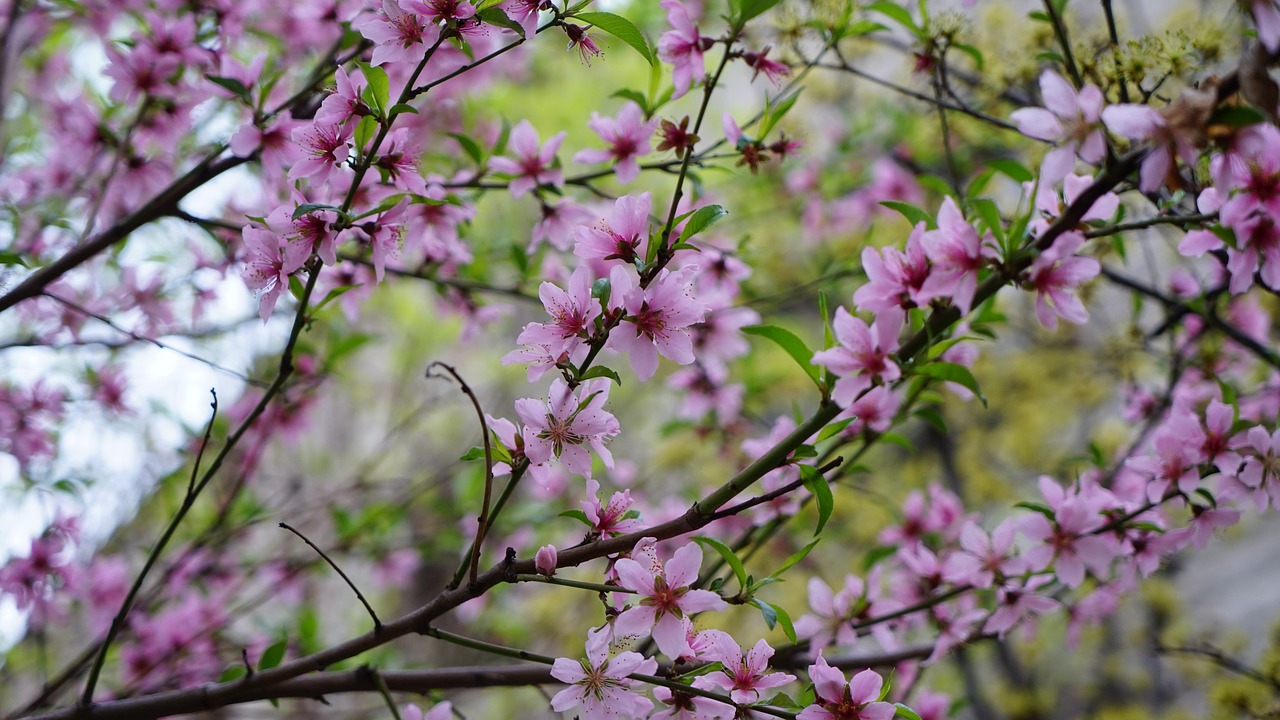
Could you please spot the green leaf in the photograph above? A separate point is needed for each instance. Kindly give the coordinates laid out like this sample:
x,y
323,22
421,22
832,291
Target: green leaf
x,y
496,17
828,338
1036,507
933,417
773,114
1236,116
749,9
1015,170
599,371
334,294
795,558
577,515
295,287
634,97
379,87
232,85
365,131
897,13
623,29
903,711
833,428
469,146
818,484
272,656
790,342
486,4
11,258
972,52
307,208
702,218
233,672
990,215
804,451
399,108
951,372
913,214
475,453
901,441
876,555
774,615
727,554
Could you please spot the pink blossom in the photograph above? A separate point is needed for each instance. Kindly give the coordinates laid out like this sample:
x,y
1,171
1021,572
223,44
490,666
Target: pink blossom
x,y
1017,601
400,36
587,47
532,165
744,676
760,63
957,254
685,706
613,518
1175,464
344,102
557,223
895,278
984,557
874,411
1070,118
1054,274
572,315
681,47
326,148
1066,541
665,598
627,139
1145,124
864,355
832,616
442,11
624,239
1261,471
657,318
600,684
1266,20
271,260
563,425
857,699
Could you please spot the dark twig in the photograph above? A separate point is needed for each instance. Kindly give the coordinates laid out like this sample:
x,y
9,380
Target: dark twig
x,y
1222,660
477,548
377,624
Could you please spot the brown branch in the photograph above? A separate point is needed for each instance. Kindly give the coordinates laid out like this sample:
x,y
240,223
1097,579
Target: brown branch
x,y
377,624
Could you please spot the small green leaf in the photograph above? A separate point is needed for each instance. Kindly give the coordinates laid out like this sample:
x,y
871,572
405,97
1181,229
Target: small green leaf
x,y
913,214
749,9
272,656
818,484
951,372
767,610
835,427
295,287
601,290
599,371
903,711
475,453
496,17
307,208
634,97
379,87
399,108
1015,170
623,29
1036,507
11,258
1236,116
469,146
232,85
790,342
233,672
876,555
727,554
901,441
803,452
365,131
795,558
334,294
897,13
702,218
972,52
577,515
990,215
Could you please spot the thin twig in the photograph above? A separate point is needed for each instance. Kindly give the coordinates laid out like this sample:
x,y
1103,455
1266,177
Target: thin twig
x,y
383,691
478,547
208,433
377,624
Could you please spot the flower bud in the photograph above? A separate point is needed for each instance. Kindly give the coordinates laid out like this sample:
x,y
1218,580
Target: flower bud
x,y
545,560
